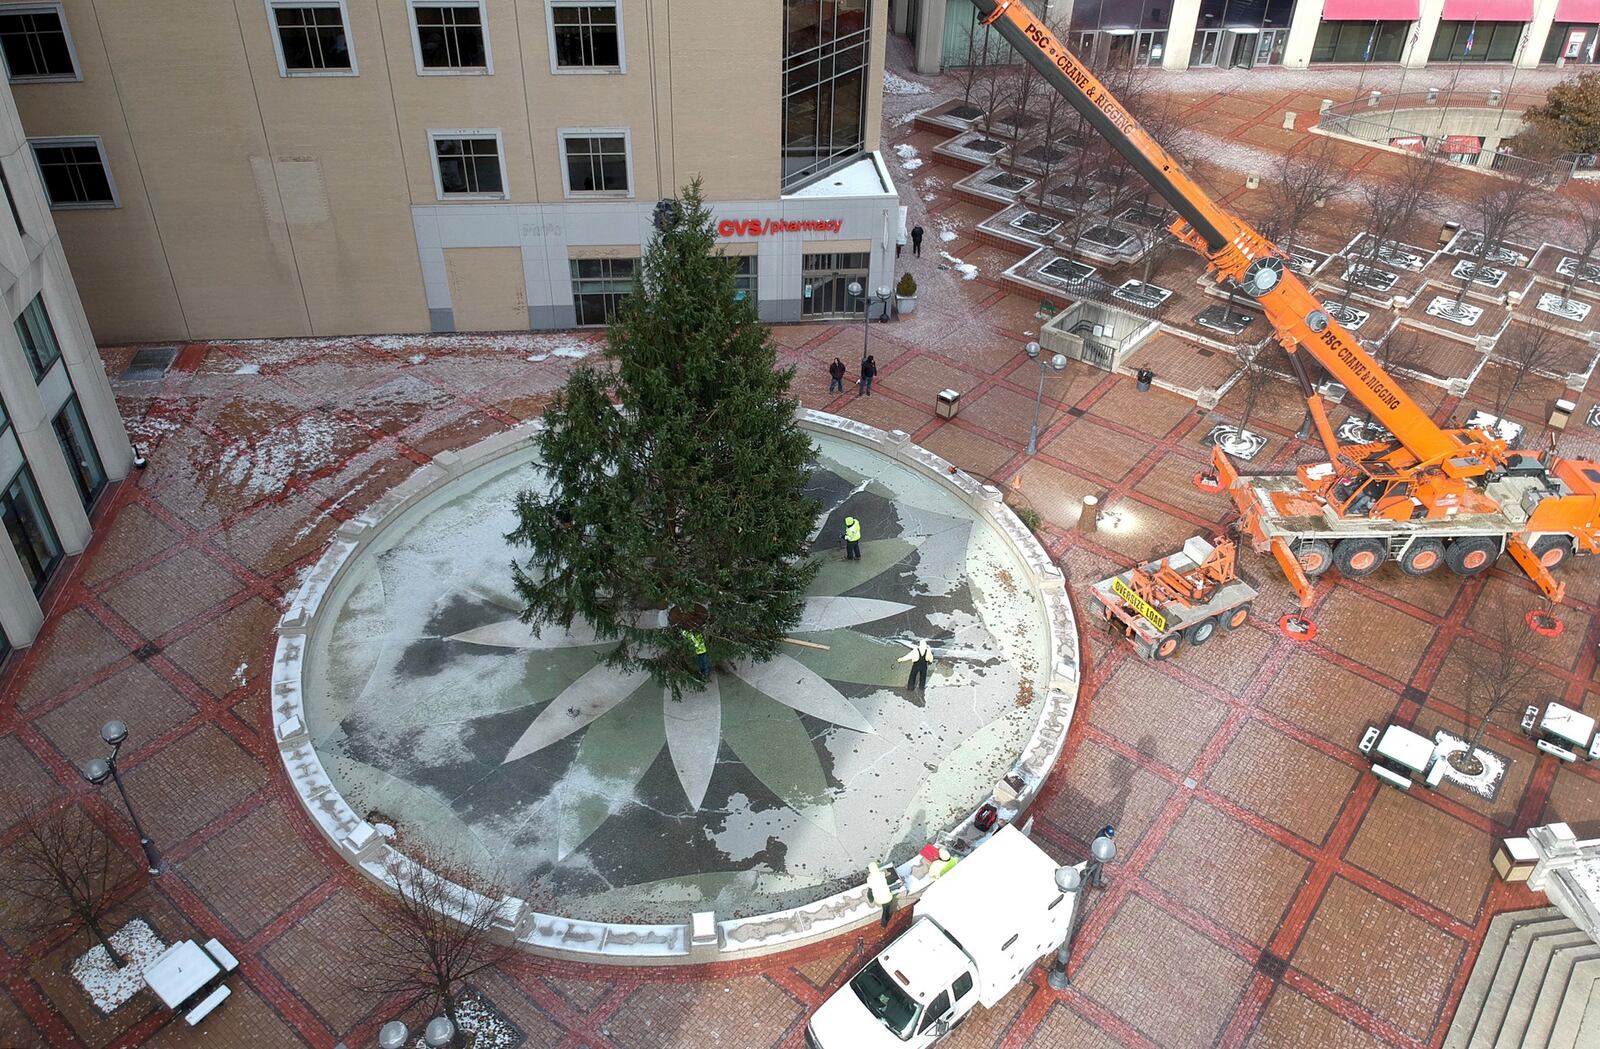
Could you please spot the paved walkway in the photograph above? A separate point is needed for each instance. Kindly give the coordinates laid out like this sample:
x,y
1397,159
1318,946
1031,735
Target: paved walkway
x,y
1267,894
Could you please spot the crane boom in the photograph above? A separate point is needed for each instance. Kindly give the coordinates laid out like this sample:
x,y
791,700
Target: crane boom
x,y
1233,249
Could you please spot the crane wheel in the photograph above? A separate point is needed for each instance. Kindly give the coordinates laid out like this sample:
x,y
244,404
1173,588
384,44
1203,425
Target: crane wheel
x,y
1552,550
1168,646
1473,554
1422,557
1315,557
1200,633
1357,558
1234,618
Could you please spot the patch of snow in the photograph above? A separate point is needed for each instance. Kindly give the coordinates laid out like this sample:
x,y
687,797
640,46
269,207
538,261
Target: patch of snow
x,y
416,358
898,85
384,829
912,165
573,353
905,151
966,269
247,369
1486,784
929,198
241,673
538,358
947,235
106,984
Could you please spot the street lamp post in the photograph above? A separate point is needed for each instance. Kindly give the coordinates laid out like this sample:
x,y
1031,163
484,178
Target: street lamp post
x,y
98,770
439,1033
1071,881
881,297
1057,362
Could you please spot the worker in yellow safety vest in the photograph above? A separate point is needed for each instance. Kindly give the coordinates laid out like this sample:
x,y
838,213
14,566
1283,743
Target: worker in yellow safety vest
x,y
852,539
702,662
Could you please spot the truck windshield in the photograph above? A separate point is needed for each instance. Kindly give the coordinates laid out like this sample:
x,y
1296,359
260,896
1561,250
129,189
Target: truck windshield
x,y
885,1000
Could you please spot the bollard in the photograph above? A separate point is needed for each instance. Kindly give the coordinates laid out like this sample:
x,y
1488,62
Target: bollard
x,y
1326,105
1089,514
1251,182
1494,96
1373,96
1433,96
1288,120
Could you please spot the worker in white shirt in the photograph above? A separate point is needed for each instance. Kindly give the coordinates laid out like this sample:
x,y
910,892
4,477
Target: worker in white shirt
x,y
921,659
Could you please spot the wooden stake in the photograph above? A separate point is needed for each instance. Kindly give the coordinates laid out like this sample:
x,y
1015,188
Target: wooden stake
x,y
808,644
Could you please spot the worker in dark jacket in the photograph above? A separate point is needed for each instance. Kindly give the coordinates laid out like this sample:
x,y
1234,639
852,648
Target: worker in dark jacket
x,y
869,370
921,659
836,376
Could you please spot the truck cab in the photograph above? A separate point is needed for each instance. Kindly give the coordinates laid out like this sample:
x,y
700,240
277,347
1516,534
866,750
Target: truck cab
x,y
978,930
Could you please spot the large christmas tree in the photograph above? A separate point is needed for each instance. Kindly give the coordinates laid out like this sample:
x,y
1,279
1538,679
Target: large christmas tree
x,y
676,504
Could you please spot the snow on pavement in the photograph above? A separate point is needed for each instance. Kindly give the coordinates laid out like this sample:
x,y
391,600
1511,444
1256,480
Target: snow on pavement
x,y
108,985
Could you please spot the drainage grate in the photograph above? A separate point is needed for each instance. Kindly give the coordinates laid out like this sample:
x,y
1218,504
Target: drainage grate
x,y
145,651
1413,694
1272,966
150,363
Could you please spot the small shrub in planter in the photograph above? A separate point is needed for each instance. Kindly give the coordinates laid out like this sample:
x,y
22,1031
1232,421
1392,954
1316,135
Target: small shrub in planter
x,y
905,293
1030,517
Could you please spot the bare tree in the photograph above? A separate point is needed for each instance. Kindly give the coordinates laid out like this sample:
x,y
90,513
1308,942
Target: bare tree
x,y
1054,113
967,76
1022,115
1393,205
1496,680
1253,377
993,87
1533,345
1304,182
1586,200
62,869
431,936
1504,209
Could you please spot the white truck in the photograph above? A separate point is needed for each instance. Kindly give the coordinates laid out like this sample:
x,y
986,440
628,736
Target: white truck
x,y
976,932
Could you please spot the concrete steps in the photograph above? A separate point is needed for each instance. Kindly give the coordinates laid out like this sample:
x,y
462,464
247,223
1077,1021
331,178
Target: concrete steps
x,y
1535,985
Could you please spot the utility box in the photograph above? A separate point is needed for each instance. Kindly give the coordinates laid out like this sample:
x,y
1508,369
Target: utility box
x,y
1515,859
947,404
1563,411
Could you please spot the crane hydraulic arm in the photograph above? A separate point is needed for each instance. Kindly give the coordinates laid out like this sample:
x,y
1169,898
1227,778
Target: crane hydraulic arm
x,y
1234,250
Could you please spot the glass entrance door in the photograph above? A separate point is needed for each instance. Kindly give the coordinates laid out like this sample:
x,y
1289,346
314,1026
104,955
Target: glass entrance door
x,y
1242,50
1206,48
825,284
1269,47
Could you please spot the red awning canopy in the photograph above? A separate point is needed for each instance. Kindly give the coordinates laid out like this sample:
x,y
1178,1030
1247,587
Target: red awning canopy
x,y
1585,11
1488,10
1371,10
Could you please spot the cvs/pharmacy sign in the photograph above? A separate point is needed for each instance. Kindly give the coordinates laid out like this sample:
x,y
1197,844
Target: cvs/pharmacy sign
x,y
772,227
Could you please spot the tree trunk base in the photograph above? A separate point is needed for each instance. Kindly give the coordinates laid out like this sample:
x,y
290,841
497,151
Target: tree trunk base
x,y
1466,762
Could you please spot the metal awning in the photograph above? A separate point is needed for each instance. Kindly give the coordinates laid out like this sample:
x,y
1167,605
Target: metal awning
x,y
1488,10
1583,11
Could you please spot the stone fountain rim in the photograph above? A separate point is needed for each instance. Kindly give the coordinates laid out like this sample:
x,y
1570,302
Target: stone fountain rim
x,y
702,938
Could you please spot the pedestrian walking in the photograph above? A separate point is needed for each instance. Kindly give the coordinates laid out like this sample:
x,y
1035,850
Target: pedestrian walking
x,y
852,539
921,659
702,661
836,376
916,240
869,368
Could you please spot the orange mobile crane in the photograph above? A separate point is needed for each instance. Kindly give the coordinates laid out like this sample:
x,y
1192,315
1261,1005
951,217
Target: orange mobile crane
x,y
1429,496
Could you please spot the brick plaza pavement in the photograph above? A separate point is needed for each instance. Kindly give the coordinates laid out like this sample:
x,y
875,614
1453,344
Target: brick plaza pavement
x,y
1267,892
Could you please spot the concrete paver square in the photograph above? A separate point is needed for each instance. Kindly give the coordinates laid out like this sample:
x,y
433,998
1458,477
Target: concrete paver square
x,y
1008,413
1056,494
26,785
1170,482
1135,529
1292,1021
281,869
314,957
1170,721
1062,1028
221,654
191,782
170,592
886,413
1295,786
1122,973
1575,801
921,378
68,652
1097,450
1370,632
1100,787
133,536
136,694
1153,412
1202,865
245,1020
1399,967
1328,700
1425,851
973,453
745,1010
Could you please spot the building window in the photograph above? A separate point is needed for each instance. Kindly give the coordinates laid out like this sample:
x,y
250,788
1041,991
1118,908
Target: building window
x,y
598,288
585,37
36,44
311,38
1476,41
825,284
451,37
1359,41
77,444
596,162
29,527
1569,42
467,164
744,278
38,337
74,172
825,60
11,200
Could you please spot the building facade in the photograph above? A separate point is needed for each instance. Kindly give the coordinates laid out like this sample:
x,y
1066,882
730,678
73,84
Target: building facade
x,y
319,167
1191,34
61,439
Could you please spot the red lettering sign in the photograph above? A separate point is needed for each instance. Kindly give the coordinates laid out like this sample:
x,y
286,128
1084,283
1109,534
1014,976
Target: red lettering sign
x,y
772,227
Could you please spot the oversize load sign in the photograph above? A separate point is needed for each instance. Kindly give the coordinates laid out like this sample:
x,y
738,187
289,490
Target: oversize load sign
x,y
1138,604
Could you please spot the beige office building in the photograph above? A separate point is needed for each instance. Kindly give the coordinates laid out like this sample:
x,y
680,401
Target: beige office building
x,y
61,439
252,168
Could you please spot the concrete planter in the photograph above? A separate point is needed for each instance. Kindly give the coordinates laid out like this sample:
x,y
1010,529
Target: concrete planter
x,y
905,304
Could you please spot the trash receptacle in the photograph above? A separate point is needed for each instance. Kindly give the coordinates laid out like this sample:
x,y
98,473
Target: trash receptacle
x,y
1145,378
948,404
